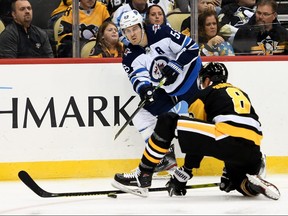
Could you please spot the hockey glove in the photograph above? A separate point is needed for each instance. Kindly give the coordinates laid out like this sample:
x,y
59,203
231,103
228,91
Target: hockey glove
x,y
171,71
176,184
146,93
225,182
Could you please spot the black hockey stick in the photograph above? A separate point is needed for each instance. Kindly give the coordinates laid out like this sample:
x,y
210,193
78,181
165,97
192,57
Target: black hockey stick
x,y
30,183
140,106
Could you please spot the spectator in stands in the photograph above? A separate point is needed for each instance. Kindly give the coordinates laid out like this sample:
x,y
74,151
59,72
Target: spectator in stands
x,y
263,34
225,2
184,5
202,6
234,15
21,39
58,12
5,11
91,16
107,42
210,41
166,5
113,5
155,15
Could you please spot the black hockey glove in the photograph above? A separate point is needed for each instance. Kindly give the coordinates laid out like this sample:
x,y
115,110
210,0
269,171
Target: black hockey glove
x,y
171,71
225,183
146,93
176,184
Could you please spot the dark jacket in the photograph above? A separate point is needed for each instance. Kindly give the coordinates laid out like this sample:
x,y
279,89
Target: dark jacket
x,y
249,39
16,43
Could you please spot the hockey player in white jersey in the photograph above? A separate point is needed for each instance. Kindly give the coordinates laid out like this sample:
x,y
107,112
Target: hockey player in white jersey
x,y
155,52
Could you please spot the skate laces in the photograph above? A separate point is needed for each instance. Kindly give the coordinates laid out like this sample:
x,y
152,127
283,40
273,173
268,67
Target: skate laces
x,y
134,174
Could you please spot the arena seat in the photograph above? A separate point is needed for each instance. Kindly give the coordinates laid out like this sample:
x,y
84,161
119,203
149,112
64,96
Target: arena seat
x,y
2,26
175,19
87,48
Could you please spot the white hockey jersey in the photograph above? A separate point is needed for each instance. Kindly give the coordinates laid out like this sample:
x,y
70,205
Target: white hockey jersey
x,y
143,65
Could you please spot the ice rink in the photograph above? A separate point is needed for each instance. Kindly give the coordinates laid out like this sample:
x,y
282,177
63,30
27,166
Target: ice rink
x,y
17,199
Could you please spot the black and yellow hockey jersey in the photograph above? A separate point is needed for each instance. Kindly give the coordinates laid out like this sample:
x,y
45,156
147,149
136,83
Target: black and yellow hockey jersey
x,y
89,21
230,109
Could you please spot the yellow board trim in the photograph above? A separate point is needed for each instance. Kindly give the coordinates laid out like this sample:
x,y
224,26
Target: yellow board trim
x,y
108,168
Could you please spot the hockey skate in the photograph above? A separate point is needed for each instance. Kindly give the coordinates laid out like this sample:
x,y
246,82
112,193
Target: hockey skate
x,y
136,182
166,166
263,187
262,171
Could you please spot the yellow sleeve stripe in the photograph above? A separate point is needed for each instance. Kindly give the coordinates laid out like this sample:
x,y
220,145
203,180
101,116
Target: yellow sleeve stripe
x,y
239,132
201,128
156,147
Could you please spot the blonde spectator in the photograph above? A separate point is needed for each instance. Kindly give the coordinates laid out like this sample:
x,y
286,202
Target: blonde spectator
x,y
210,42
107,42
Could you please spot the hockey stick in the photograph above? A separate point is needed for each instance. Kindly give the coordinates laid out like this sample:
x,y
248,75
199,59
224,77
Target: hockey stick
x,y
30,183
140,106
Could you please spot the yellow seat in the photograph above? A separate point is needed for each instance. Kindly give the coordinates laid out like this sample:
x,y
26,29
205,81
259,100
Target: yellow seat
x,y
2,26
87,48
175,19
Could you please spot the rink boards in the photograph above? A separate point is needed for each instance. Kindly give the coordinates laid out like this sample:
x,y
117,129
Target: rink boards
x,y
58,117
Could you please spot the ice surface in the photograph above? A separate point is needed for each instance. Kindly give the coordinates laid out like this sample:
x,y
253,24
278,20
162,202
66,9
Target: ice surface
x,y
17,199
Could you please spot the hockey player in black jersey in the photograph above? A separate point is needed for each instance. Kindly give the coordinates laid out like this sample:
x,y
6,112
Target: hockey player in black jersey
x,y
224,125
155,52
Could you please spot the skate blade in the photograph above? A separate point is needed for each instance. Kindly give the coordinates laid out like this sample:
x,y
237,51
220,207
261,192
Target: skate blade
x,y
271,191
142,192
164,175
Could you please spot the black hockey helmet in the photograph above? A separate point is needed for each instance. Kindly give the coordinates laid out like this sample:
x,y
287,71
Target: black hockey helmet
x,y
217,72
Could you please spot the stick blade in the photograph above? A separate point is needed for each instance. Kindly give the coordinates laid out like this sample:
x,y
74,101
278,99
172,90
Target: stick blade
x,y
30,183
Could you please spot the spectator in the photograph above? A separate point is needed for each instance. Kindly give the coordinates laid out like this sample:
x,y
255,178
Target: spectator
x,y
225,2
234,15
5,11
166,5
91,15
182,6
107,42
263,34
58,12
210,42
155,15
21,39
203,5
223,125
113,5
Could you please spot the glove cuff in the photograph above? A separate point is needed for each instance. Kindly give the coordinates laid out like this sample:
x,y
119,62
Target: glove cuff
x,y
181,175
176,66
143,87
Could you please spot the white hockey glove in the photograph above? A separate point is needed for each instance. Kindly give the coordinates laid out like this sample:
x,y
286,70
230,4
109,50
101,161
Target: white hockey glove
x,y
176,184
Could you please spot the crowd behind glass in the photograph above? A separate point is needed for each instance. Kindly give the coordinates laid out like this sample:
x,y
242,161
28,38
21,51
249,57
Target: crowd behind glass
x,y
225,27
